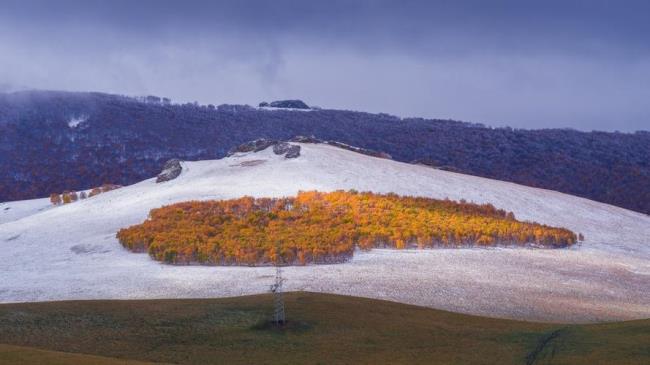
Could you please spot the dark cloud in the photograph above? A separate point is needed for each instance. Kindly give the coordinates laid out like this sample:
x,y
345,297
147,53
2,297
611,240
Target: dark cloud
x,y
580,64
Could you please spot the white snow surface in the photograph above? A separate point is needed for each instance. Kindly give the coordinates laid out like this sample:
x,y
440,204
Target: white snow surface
x,y
12,211
74,122
70,251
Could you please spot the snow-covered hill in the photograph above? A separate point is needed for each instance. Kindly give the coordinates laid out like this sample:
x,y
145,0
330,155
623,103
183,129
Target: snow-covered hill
x,y
70,251
11,211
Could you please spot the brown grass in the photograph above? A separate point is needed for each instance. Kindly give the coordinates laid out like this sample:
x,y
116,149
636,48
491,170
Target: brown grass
x,y
26,355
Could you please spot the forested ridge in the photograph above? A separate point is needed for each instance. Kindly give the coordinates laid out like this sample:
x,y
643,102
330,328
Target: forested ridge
x,y
56,141
316,227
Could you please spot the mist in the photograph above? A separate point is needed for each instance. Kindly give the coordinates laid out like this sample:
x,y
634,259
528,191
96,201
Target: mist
x,y
575,64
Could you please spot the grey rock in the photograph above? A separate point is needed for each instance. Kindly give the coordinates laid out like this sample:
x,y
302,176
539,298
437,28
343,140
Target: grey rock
x,y
293,152
290,104
286,149
253,146
281,148
171,170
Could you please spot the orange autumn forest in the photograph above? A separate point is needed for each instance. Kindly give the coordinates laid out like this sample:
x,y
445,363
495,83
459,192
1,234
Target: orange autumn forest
x,y
317,227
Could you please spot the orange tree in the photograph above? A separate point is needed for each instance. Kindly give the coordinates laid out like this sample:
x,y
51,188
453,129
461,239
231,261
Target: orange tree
x,y
316,227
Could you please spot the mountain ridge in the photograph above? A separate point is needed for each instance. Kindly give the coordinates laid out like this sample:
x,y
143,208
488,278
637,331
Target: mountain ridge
x,y
55,141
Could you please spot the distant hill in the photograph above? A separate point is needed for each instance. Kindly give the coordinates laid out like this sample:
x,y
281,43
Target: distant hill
x,y
51,141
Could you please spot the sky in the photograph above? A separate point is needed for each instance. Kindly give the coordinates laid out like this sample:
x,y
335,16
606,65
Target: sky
x,y
525,64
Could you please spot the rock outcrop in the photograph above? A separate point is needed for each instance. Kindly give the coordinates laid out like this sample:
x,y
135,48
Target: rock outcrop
x,y
171,170
286,149
288,104
253,146
292,151
279,147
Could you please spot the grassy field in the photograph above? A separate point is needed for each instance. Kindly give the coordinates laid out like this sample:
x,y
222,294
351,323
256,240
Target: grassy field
x,y
323,329
26,355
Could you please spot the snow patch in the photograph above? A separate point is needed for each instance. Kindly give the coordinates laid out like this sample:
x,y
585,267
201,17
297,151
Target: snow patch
x,y
75,121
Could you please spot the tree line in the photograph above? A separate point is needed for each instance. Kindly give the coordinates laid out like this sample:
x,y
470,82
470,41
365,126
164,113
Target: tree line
x,y
72,196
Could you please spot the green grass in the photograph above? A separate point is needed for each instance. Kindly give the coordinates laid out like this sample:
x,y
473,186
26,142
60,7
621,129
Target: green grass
x,y
323,329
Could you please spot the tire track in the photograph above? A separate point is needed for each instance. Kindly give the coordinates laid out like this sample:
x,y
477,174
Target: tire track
x,y
532,356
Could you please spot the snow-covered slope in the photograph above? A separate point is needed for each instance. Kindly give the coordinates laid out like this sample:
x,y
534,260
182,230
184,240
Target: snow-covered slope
x,y
11,211
70,252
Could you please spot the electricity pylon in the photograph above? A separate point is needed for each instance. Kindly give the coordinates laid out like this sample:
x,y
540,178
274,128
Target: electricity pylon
x,y
276,288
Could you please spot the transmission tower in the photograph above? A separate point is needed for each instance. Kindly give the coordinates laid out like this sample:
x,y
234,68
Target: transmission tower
x,y
276,288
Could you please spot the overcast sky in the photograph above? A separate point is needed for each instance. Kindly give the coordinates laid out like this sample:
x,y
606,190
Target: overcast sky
x,y
577,64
